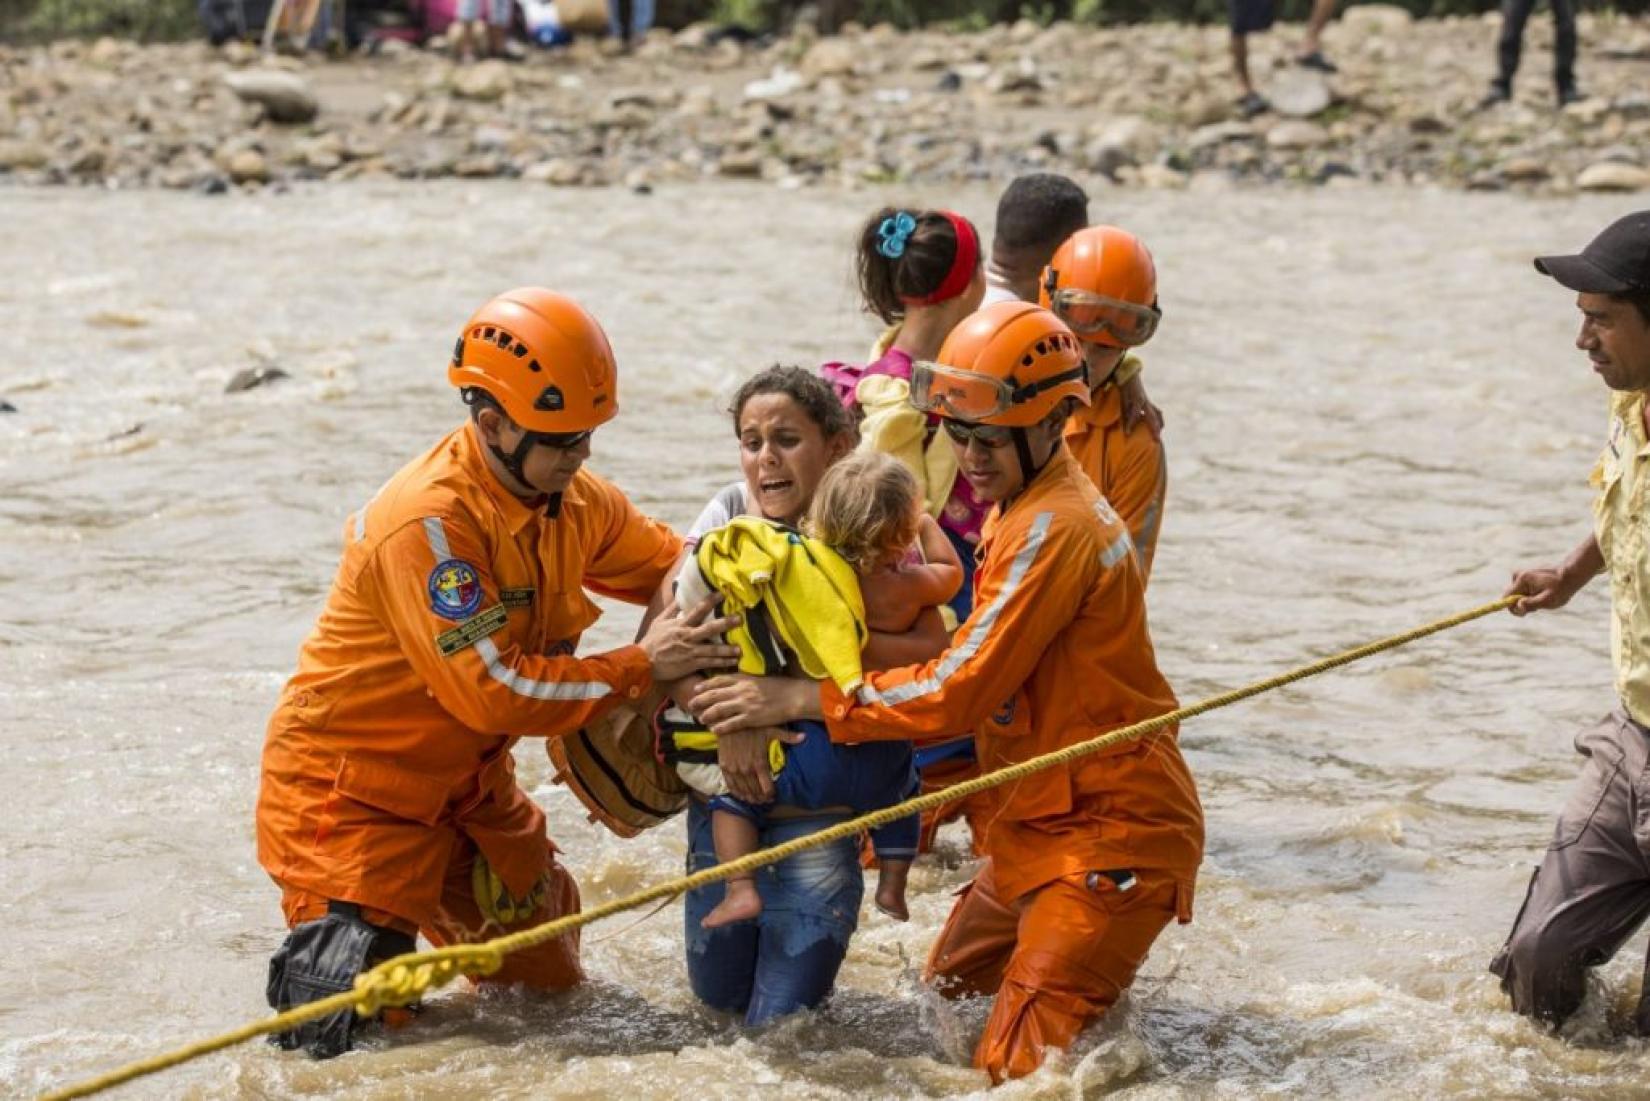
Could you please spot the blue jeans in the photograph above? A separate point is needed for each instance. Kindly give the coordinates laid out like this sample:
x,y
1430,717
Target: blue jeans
x,y
862,778
641,18
499,12
788,958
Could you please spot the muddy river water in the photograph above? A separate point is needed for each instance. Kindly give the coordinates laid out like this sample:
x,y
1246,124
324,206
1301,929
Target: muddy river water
x,y
1374,413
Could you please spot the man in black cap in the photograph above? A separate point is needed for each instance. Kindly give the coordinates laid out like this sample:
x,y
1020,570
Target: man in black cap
x,y
1592,890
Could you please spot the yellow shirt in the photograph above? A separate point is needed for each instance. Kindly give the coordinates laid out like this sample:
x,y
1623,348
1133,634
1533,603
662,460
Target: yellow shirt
x,y
1620,520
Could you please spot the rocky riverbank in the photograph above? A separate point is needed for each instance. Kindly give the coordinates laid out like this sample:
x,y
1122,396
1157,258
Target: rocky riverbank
x,y
1141,106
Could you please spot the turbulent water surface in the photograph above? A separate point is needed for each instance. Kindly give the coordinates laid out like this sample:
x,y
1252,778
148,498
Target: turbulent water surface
x,y
1374,413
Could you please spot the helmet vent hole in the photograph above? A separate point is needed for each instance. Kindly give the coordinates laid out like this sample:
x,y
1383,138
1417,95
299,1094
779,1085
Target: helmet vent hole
x,y
487,333
533,365
519,351
1027,361
1042,348
504,339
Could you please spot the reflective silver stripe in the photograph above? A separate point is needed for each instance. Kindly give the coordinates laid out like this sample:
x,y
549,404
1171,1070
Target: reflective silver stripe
x,y
361,517
514,681
537,689
1118,551
953,659
1148,527
437,536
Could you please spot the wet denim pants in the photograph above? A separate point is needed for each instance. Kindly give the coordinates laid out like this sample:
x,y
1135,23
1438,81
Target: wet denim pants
x,y
788,958
1592,890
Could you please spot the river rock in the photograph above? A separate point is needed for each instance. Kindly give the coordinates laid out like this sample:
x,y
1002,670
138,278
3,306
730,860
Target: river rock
x,y
482,167
15,155
1525,170
1218,133
694,36
250,378
106,53
6,406
1627,48
1613,176
486,81
781,82
248,166
829,57
1588,111
558,172
639,180
1299,93
1376,19
89,161
1161,177
741,163
1632,105
283,96
1296,134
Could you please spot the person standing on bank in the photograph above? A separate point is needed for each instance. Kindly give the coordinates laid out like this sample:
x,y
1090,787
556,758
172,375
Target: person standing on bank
x,y
388,804
1510,44
1591,891
1249,17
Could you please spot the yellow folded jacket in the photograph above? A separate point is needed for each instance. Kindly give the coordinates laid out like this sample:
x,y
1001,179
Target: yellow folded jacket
x,y
792,592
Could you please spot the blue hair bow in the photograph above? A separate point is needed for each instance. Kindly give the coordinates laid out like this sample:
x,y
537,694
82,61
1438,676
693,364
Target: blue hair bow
x,y
892,234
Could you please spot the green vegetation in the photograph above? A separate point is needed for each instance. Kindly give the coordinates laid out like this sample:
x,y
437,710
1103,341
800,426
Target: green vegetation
x,y
146,20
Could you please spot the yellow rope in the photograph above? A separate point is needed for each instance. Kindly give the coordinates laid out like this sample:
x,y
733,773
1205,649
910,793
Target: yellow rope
x,y
404,979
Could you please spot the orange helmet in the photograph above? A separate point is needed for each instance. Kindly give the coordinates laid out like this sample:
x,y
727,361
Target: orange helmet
x,y
542,358
1009,364
1103,284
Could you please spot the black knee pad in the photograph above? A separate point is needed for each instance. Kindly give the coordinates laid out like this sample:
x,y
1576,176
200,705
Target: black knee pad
x,y
319,959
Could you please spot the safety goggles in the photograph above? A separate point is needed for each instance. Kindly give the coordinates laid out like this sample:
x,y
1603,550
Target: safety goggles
x,y
561,441
986,435
1094,316
970,396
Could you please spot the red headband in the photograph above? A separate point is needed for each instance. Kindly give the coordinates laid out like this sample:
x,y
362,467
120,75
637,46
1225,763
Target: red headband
x,y
963,264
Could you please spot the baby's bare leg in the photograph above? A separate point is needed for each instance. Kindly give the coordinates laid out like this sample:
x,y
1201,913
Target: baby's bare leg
x,y
891,875
734,836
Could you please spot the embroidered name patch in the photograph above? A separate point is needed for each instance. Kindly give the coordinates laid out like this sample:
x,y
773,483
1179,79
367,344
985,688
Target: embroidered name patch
x,y
517,598
470,631
455,589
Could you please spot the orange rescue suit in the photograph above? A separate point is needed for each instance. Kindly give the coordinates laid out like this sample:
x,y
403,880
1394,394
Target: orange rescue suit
x,y
1128,468
448,634
1057,651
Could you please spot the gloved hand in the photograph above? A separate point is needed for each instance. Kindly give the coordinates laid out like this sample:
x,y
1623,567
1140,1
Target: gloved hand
x,y
496,901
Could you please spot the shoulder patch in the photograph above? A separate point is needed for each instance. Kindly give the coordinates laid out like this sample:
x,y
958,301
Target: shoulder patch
x,y
455,589
471,631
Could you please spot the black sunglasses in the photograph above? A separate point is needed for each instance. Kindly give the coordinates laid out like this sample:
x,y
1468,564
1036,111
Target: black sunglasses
x,y
561,441
988,435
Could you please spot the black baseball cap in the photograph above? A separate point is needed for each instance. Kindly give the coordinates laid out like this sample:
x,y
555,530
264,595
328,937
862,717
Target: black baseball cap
x,y
1617,261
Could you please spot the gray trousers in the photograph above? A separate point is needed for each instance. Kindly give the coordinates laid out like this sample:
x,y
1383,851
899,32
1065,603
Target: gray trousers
x,y
1592,890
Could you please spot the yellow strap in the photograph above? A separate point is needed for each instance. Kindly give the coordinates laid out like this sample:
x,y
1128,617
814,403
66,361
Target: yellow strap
x,y
404,979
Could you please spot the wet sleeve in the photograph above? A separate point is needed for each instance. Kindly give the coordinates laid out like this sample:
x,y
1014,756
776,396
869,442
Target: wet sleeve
x,y
636,552
433,587
1021,605
1137,493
